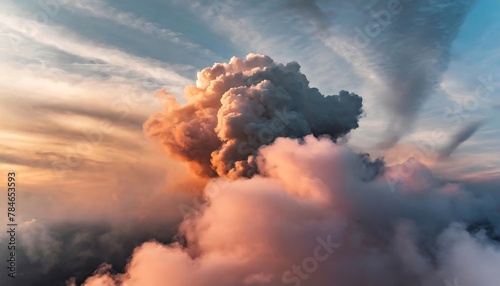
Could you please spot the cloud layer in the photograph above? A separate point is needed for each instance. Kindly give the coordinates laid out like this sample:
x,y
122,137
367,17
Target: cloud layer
x,y
311,219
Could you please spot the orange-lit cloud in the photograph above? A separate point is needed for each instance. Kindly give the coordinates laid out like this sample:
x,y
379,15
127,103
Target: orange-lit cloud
x,y
317,220
237,107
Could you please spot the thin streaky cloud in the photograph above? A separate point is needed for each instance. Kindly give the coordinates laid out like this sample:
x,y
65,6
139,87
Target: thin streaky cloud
x,y
460,137
64,40
100,10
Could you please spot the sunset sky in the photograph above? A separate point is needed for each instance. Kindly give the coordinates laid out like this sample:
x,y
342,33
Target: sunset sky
x,y
79,79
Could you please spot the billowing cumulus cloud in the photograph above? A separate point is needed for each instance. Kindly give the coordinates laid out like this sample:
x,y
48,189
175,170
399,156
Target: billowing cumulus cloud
x,y
311,218
237,107
316,212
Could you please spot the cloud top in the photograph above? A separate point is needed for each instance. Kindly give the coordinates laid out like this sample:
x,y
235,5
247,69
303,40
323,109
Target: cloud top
x,y
239,106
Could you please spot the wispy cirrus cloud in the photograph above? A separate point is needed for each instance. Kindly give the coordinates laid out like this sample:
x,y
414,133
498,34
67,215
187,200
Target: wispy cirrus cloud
x,y
110,59
100,9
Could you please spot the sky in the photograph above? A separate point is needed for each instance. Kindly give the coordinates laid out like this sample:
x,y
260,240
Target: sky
x,y
79,80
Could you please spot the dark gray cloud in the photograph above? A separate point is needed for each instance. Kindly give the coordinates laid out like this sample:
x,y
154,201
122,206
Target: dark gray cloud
x,y
236,108
458,138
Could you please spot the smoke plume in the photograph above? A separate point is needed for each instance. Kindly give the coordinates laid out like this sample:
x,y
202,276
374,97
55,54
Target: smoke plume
x,y
237,107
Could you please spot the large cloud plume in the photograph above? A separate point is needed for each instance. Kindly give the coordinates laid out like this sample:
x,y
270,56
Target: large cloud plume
x,y
316,212
310,218
237,107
